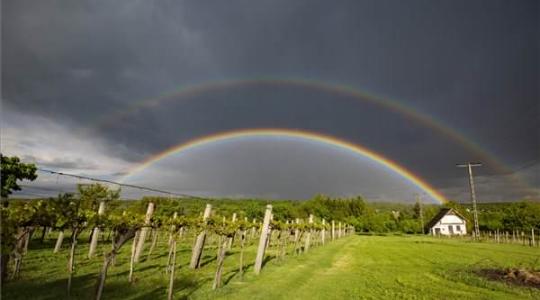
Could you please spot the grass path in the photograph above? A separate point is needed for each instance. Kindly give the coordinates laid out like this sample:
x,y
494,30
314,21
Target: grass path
x,y
390,268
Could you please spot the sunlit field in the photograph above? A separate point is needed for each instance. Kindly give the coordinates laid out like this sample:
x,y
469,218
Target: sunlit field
x,y
358,267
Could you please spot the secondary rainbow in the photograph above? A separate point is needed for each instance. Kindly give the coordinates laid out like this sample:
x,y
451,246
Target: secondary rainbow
x,y
301,134
187,92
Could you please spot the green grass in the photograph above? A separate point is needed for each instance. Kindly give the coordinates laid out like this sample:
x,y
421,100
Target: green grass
x,y
356,267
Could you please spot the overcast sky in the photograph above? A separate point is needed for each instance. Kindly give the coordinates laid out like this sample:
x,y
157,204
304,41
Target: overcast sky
x,y
472,66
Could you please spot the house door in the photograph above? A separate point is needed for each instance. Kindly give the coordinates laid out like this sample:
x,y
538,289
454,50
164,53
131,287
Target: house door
x,y
437,231
451,229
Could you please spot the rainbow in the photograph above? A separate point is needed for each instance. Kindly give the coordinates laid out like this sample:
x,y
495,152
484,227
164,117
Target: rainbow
x,y
300,134
185,93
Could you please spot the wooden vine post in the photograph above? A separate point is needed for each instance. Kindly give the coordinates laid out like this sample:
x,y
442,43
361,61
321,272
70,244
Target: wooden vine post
x,y
339,230
263,239
309,233
132,258
96,232
297,236
270,231
172,268
199,243
171,230
225,231
125,232
176,230
243,238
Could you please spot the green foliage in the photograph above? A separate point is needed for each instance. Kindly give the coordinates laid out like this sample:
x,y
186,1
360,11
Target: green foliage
x,y
278,225
122,222
522,216
14,170
92,194
222,227
62,208
13,220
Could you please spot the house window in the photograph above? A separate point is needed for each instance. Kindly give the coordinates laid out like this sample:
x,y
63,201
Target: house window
x,y
458,228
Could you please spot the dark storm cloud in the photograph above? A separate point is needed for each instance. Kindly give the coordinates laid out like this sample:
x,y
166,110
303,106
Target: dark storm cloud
x,y
472,65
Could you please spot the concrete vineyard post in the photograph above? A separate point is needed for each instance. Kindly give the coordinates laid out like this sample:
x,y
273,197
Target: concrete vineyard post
x,y
333,230
199,242
253,229
263,239
144,231
323,231
246,236
296,231
308,235
59,241
231,239
95,234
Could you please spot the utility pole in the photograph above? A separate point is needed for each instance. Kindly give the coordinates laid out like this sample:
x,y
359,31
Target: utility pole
x,y
469,166
421,211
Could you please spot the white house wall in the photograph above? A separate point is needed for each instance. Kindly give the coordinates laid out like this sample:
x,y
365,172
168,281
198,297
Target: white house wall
x,y
447,221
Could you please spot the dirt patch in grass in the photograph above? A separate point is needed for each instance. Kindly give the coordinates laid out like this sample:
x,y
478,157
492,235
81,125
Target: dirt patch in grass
x,y
515,276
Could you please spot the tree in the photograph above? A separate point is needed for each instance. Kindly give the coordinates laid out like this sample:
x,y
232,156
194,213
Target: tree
x,y
522,216
12,171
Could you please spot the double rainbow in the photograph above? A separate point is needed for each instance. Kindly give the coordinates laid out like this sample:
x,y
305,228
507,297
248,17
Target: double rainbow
x,y
186,93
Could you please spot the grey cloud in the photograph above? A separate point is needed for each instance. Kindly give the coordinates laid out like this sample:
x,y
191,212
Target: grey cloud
x,y
471,65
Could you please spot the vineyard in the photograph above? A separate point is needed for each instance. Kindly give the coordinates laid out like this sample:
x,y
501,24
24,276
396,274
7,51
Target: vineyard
x,y
92,245
370,267
129,237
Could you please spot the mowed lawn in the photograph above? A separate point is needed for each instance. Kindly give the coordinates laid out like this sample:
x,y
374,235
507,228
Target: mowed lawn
x,y
355,267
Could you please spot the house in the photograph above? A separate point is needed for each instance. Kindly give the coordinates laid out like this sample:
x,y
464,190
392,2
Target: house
x,y
448,222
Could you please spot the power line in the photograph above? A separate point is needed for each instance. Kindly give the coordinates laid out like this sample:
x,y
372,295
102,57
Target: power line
x,y
119,184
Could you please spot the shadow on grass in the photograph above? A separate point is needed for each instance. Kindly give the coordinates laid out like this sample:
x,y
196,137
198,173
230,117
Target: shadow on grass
x,y
121,290
57,289
139,270
213,258
267,259
235,272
